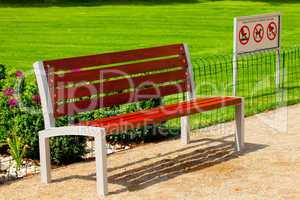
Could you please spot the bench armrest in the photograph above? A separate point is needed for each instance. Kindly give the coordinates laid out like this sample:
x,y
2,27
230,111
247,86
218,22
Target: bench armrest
x,y
72,130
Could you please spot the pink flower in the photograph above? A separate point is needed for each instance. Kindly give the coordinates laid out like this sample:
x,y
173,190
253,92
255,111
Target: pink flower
x,y
19,74
36,99
12,102
9,92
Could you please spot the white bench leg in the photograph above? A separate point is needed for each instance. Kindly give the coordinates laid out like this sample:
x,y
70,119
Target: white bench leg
x,y
185,130
45,162
239,119
101,169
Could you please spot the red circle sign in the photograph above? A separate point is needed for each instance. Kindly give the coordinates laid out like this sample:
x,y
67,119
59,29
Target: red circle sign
x,y
272,31
244,35
258,33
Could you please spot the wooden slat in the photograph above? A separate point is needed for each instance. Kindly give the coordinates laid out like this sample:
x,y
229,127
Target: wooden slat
x,y
149,112
123,125
117,71
115,57
120,84
156,115
173,109
123,98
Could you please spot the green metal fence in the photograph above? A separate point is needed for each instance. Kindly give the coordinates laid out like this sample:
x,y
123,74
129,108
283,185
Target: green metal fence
x,y
255,82
290,81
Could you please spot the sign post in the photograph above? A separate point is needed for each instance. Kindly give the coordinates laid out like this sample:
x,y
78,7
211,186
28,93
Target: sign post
x,y
234,59
253,34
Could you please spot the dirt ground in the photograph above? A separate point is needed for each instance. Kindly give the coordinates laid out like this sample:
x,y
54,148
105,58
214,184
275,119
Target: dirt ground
x,y
208,168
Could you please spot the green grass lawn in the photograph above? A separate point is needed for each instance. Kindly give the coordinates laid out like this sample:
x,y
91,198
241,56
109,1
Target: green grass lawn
x,y
33,32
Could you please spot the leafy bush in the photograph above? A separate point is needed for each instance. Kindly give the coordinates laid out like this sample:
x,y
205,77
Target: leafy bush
x,y
2,75
20,112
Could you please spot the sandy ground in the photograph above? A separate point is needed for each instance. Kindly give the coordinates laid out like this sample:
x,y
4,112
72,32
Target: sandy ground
x,y
208,168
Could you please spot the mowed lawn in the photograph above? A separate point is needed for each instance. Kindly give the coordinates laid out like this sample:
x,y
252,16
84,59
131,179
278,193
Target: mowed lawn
x,y
35,32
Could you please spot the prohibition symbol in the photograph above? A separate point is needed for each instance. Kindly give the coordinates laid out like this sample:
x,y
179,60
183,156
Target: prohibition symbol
x,y
244,35
258,33
272,31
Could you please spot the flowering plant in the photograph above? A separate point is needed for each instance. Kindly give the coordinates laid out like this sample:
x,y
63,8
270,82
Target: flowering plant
x,y
19,108
16,98
21,119
21,116
17,149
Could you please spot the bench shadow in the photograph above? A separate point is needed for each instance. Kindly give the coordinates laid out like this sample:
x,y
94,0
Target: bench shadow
x,y
197,158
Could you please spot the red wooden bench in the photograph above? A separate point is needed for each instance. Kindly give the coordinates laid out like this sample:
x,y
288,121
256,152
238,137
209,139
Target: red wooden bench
x,y
74,85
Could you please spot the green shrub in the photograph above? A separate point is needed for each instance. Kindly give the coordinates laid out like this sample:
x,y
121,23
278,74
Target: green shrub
x,y
67,149
20,112
2,75
2,72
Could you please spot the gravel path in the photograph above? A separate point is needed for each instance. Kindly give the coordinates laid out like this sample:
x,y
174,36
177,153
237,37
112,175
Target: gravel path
x,y
208,168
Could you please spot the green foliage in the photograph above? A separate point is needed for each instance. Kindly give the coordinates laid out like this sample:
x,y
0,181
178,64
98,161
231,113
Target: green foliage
x,y
27,126
67,149
20,113
2,72
17,149
25,120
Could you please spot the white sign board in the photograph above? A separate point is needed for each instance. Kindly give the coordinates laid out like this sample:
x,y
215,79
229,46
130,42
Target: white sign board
x,y
255,33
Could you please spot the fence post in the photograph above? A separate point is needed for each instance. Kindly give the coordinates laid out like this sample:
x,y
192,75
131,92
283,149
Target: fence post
x,y
234,59
277,80
278,62
283,77
234,75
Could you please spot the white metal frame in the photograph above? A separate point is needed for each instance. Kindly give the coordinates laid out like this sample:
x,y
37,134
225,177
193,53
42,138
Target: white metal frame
x,y
190,94
44,91
240,126
52,131
100,152
99,133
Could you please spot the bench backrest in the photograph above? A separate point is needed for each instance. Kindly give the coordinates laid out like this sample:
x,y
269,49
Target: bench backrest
x,y
73,85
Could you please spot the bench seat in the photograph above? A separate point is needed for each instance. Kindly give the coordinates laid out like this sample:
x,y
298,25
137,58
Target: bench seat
x,y
120,123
